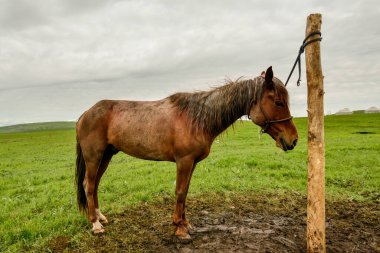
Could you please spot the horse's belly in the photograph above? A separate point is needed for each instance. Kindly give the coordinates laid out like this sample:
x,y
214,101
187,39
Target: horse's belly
x,y
147,153
145,146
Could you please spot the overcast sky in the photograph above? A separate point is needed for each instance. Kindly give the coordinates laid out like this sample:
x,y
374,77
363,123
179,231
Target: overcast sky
x,y
59,57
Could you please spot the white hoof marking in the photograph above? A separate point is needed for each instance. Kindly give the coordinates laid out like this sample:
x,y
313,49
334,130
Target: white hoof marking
x,y
97,227
100,216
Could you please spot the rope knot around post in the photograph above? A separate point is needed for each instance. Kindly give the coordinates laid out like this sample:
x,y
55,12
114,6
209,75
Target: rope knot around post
x,y
305,43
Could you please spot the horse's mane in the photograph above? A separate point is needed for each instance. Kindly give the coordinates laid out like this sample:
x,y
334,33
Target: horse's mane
x,y
215,110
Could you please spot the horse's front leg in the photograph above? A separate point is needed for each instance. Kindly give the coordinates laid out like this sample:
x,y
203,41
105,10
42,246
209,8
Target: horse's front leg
x,y
184,171
186,221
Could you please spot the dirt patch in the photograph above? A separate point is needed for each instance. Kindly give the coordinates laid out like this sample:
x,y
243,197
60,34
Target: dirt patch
x,y
60,243
236,223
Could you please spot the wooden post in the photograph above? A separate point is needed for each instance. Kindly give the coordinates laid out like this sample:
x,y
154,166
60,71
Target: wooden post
x,y
315,234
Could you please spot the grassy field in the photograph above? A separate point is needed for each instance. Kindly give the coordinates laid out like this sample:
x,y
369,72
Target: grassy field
x,y
33,127
37,192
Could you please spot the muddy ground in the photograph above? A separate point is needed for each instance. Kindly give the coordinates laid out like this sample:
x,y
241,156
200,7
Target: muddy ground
x,y
234,223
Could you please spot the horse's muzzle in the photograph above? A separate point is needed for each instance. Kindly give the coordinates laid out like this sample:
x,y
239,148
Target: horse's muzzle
x,y
286,146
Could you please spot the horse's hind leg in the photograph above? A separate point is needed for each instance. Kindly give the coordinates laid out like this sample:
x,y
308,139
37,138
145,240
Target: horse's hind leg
x,y
89,188
93,154
108,153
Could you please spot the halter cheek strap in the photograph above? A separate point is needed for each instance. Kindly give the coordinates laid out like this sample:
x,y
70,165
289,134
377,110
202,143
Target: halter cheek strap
x,y
267,123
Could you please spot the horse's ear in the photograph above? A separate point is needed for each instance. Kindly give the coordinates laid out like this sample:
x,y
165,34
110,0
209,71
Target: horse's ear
x,y
269,77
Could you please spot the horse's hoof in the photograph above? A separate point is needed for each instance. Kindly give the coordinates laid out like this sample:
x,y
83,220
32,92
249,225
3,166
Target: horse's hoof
x,y
104,220
188,226
98,231
184,238
182,233
101,217
97,228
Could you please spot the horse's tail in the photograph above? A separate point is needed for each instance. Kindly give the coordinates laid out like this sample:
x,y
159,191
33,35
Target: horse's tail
x,y
79,178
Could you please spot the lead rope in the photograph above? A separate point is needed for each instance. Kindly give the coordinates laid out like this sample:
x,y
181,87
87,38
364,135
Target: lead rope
x,y
298,59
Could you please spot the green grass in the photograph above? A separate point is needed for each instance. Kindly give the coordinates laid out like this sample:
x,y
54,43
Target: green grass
x,y
37,192
32,127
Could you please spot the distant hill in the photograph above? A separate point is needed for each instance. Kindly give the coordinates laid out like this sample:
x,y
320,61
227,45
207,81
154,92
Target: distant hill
x,y
31,127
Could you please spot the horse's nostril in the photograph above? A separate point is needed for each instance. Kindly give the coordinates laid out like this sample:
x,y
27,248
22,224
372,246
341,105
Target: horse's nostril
x,y
295,142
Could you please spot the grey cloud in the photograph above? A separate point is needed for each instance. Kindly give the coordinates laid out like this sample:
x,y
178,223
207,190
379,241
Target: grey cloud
x,y
149,49
20,14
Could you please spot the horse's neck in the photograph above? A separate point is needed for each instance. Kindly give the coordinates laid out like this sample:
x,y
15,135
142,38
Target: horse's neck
x,y
214,111
228,106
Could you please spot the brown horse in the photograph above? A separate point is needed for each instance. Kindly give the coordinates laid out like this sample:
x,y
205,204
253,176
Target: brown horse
x,y
179,128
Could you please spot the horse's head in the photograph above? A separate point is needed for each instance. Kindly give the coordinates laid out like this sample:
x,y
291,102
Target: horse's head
x,y
271,112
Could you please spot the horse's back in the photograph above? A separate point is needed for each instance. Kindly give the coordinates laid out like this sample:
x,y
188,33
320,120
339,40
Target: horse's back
x,y
152,130
143,129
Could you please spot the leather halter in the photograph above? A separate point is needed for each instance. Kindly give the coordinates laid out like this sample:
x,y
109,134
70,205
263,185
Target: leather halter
x,y
267,123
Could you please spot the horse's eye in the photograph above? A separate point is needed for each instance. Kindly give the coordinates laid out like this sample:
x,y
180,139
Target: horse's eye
x,y
279,103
